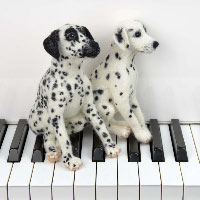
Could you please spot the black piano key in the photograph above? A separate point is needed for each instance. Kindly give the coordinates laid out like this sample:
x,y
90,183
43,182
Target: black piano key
x,y
38,150
156,146
98,153
178,142
133,149
18,142
76,141
3,128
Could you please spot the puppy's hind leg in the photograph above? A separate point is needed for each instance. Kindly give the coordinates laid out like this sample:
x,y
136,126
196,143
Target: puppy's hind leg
x,y
119,123
123,106
121,131
107,111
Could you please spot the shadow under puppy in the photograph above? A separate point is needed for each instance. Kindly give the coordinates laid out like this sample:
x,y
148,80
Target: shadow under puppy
x,y
114,81
64,101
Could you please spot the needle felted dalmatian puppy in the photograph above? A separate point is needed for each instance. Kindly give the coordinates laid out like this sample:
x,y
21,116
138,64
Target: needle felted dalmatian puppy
x,y
114,81
65,101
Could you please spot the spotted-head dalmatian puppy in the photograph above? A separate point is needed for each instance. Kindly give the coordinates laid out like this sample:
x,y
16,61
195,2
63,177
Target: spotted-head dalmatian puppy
x,y
65,101
114,81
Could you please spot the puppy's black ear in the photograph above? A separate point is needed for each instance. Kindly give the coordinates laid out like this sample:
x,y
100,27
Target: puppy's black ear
x,y
51,44
88,34
121,39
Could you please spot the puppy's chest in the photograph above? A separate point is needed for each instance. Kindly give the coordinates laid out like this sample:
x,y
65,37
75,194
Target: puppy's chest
x,y
126,75
76,89
128,80
72,86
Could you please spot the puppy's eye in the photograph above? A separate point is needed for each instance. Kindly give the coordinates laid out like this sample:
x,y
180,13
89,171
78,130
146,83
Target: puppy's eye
x,y
138,34
71,36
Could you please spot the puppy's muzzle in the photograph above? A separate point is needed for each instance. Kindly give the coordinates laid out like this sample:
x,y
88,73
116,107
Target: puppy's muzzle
x,y
91,50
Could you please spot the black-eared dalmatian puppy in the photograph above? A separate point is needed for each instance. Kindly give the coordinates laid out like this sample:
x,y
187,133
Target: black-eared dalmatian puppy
x,y
114,81
65,101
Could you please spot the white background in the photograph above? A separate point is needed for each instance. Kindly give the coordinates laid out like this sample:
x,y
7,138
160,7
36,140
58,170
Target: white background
x,y
169,83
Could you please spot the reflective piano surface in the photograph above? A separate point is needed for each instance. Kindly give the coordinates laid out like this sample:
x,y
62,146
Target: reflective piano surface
x,y
166,169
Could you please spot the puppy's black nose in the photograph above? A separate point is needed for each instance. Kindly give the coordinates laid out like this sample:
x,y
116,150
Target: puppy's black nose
x,y
155,44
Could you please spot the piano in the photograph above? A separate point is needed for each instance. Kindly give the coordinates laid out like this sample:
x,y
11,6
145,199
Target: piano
x,y
168,168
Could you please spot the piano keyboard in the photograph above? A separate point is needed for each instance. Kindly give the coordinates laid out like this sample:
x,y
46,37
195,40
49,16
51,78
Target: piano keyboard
x,y
166,169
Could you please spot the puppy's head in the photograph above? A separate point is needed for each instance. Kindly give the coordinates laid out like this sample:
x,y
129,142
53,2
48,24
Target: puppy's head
x,y
133,35
71,41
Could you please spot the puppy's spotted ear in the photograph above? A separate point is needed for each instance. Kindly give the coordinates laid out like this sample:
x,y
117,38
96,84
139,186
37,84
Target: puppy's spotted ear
x,y
121,39
51,44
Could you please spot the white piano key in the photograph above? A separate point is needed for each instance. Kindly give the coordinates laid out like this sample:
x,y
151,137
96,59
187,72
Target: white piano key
x,y
41,180
172,184
63,180
196,134
84,185
190,170
106,180
150,184
18,185
128,180
5,167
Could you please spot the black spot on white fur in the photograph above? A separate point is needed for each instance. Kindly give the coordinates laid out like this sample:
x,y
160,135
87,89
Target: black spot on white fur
x,y
119,35
117,74
108,76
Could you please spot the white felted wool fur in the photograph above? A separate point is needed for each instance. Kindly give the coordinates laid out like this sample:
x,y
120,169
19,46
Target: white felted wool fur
x,y
64,101
114,81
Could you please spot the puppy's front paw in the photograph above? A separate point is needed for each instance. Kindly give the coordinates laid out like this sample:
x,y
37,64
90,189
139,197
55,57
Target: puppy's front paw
x,y
53,156
143,135
112,150
73,163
